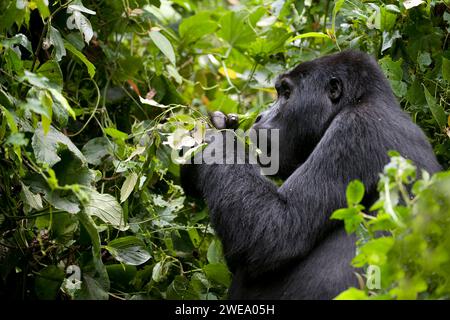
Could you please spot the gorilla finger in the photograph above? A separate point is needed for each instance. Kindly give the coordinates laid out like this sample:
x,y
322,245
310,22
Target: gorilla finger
x,y
232,121
218,119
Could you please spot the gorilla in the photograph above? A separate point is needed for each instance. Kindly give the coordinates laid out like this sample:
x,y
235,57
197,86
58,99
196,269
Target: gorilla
x,y
337,119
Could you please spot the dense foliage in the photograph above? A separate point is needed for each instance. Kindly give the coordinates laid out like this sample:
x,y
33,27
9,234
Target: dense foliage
x,y
403,248
90,95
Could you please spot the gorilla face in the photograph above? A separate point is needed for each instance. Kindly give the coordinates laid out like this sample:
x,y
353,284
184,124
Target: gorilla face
x,y
308,99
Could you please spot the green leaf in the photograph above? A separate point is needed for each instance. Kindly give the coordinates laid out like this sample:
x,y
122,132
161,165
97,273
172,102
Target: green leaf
x,y
194,236
352,294
90,67
196,27
215,253
218,272
51,71
47,104
373,252
13,61
36,106
47,146
355,192
337,7
54,37
5,99
424,60
164,45
33,201
96,149
129,250
446,69
351,217
121,274
64,225
9,119
436,109
42,6
19,38
92,289
48,282
117,134
310,35
235,29
128,186
105,207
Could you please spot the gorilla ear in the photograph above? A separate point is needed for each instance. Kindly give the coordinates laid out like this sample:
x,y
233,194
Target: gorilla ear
x,y
334,89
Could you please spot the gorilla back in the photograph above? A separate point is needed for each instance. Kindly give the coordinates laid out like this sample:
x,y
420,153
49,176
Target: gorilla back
x,y
337,119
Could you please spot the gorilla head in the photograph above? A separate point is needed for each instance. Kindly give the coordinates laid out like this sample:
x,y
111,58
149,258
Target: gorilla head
x,y
312,94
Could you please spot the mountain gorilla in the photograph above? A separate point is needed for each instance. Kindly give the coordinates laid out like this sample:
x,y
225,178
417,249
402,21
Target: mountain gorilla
x,y
337,118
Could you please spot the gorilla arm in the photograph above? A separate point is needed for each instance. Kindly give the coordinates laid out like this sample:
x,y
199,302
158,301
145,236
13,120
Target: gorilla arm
x,y
262,227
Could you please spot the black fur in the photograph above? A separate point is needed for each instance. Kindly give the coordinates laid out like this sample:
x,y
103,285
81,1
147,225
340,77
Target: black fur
x,y
338,119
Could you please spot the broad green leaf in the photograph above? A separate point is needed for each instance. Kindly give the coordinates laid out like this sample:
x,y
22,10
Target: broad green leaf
x,y
19,38
42,6
436,109
35,105
47,146
215,253
218,272
52,71
37,80
9,119
90,67
96,149
424,60
54,37
128,186
197,26
64,203
235,29
129,250
121,274
352,294
164,45
105,207
355,192
33,201
48,282
13,61
91,289
180,289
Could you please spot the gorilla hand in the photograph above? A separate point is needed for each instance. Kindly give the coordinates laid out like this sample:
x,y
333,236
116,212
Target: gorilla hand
x,y
222,121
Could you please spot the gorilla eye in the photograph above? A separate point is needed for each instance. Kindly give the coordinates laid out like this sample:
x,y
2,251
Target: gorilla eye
x,y
283,89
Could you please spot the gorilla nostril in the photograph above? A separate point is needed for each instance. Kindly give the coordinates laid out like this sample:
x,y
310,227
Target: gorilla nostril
x,y
258,118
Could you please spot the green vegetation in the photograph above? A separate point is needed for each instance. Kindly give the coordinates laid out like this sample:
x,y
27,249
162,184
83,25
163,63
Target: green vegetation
x,y
90,95
404,248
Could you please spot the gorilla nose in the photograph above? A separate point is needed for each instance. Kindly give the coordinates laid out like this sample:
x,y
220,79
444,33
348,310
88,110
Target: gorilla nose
x,y
258,118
